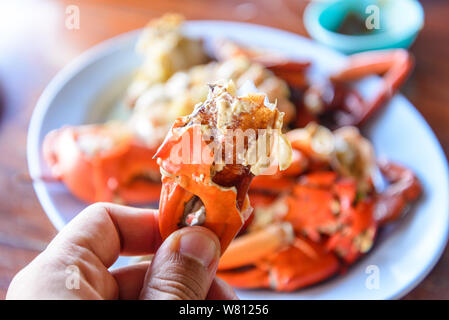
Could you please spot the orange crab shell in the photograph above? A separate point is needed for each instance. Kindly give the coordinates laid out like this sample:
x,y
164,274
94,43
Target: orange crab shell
x,y
301,264
108,175
182,181
357,235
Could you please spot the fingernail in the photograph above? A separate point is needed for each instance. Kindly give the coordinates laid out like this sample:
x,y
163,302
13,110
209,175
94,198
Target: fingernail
x,y
198,246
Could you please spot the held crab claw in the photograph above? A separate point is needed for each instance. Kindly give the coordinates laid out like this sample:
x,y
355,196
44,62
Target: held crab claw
x,y
198,187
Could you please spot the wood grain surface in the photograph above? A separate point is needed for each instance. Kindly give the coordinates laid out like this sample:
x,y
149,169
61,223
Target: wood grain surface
x,y
35,45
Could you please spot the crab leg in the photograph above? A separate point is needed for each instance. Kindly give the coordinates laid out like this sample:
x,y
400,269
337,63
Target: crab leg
x,y
296,266
252,278
375,62
251,247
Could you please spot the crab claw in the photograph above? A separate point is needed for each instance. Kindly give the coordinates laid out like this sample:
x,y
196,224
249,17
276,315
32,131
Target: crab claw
x,y
199,187
404,188
394,65
338,104
191,197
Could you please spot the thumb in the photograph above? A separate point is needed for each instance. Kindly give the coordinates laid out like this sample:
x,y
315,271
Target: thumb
x,y
184,266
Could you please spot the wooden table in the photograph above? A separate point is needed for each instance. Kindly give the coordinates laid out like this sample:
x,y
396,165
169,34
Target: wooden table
x,y
35,44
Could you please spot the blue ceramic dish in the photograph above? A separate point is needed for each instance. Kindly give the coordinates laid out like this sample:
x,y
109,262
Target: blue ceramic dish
x,y
399,20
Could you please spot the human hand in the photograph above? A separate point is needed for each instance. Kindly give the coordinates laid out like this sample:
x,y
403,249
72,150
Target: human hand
x,y
183,267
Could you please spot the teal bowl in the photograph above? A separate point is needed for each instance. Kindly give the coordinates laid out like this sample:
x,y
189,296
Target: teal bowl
x,y
399,23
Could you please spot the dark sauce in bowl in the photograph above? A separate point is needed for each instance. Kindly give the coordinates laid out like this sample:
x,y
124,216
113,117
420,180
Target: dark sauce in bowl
x,y
354,24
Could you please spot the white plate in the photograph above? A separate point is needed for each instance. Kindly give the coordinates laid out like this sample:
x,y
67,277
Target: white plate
x,y
404,252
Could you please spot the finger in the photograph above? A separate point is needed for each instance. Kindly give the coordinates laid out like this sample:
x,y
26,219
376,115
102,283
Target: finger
x,y
107,229
220,290
184,266
130,280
